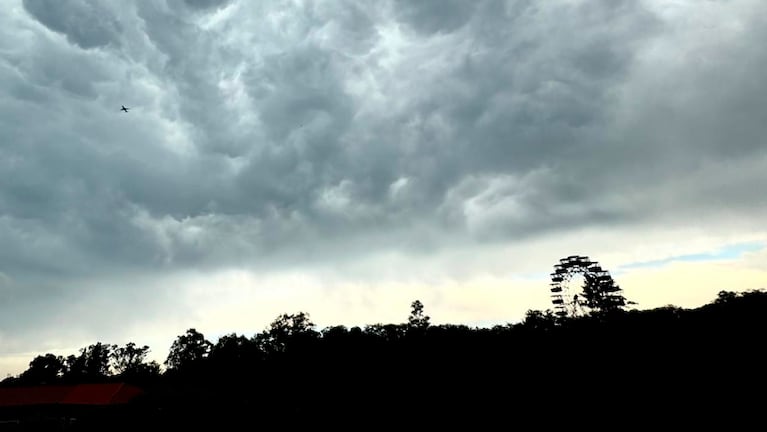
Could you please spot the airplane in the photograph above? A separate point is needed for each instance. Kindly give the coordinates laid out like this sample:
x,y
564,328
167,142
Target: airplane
x,y
123,108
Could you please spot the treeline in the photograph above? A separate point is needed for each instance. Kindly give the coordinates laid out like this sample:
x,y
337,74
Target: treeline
x,y
595,367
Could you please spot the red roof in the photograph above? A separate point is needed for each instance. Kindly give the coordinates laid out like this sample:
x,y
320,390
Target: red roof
x,y
80,394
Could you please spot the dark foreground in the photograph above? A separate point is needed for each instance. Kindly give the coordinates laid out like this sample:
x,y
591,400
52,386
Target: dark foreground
x,y
659,368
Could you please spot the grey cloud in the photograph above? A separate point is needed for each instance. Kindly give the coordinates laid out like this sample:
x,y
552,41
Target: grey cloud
x,y
337,130
206,4
510,101
435,16
195,75
87,23
322,133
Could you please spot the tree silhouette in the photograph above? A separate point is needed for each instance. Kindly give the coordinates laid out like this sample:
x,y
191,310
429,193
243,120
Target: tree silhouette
x,y
129,362
188,349
285,329
44,369
601,294
91,364
539,320
128,358
609,360
234,350
417,319
725,297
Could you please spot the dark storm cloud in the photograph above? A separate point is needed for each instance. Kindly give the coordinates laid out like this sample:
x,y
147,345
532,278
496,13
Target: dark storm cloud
x,y
435,16
206,4
87,23
278,134
296,127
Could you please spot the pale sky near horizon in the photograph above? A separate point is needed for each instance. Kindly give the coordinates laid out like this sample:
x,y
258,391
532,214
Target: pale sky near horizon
x,y
347,157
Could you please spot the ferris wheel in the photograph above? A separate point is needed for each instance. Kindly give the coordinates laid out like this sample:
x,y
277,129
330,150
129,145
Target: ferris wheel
x,y
598,291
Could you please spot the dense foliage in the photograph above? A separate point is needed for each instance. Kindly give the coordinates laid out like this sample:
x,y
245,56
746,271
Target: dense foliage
x,y
595,368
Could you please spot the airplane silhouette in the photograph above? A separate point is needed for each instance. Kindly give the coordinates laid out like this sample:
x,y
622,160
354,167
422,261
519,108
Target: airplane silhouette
x,y
123,108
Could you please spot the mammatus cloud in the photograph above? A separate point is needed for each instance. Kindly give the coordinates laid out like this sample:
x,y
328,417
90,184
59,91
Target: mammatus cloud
x,y
85,23
361,145
206,4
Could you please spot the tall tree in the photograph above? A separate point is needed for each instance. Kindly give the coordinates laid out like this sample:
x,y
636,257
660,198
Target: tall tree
x,y
233,347
234,355
129,361
91,364
188,349
285,329
601,294
417,319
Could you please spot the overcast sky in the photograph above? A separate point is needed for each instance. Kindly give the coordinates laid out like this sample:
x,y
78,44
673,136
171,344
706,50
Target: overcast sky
x,y
345,158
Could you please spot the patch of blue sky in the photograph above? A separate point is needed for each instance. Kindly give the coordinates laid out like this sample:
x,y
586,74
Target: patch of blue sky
x,y
728,252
